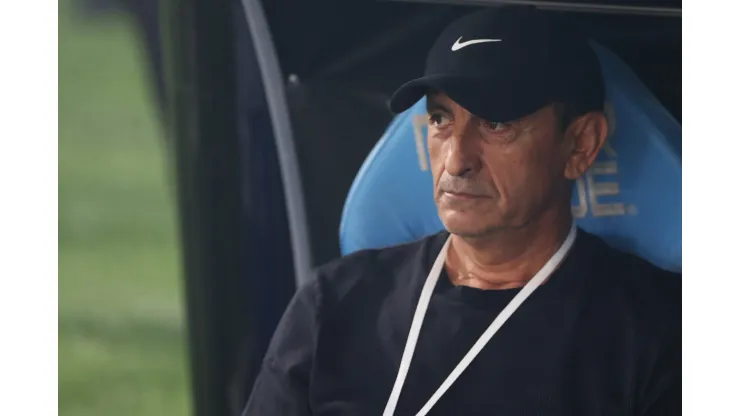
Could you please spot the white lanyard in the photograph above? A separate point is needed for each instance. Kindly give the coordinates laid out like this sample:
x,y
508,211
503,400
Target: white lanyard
x,y
421,309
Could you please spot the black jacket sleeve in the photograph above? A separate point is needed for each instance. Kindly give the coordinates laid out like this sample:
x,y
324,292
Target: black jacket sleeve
x,y
282,385
661,394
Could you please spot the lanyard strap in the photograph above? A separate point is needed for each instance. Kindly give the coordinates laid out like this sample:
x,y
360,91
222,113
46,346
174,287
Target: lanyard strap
x,y
421,309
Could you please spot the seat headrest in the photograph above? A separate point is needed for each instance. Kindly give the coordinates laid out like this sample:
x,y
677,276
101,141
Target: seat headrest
x,y
631,196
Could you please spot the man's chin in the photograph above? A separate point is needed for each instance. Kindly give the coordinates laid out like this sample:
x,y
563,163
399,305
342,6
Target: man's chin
x,y
465,224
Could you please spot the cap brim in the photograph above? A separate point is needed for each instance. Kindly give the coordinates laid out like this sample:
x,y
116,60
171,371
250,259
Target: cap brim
x,y
411,92
487,97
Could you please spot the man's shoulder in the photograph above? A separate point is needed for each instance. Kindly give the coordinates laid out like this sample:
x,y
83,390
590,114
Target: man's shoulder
x,y
376,267
651,293
637,274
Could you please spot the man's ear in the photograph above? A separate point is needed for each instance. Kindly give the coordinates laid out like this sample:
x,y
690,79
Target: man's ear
x,y
586,135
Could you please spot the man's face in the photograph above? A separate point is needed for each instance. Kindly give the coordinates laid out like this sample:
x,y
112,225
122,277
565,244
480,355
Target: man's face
x,y
489,175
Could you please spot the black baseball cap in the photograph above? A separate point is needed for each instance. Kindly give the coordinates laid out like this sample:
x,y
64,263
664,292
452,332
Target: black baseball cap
x,y
504,63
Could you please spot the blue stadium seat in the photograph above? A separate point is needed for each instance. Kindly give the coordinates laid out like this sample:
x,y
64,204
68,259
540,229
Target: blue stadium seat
x,y
631,197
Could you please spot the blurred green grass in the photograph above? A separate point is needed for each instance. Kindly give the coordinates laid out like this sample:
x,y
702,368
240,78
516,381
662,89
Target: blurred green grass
x,y
121,335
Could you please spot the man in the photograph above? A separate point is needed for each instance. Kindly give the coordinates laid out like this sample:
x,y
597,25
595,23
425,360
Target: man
x,y
511,310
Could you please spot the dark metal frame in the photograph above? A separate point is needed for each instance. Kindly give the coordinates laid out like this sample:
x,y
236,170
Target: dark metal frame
x,y
569,6
273,80
233,227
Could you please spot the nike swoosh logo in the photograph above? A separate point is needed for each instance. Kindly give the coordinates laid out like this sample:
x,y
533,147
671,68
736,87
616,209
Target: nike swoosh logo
x,y
459,45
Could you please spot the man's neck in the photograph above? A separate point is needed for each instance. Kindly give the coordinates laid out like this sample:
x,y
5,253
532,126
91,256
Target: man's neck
x,y
507,258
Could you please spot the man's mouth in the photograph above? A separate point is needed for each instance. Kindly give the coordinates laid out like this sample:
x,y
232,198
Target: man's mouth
x,y
463,195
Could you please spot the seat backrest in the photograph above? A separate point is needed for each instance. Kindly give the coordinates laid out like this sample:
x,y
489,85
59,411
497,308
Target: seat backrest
x,y
631,196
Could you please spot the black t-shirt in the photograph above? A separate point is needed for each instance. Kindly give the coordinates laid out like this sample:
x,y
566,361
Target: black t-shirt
x,y
601,337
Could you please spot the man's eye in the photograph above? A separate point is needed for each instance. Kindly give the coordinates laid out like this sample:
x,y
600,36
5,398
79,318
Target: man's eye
x,y
496,126
438,120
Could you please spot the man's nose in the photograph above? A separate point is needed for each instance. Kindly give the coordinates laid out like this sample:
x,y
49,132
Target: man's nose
x,y
463,154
